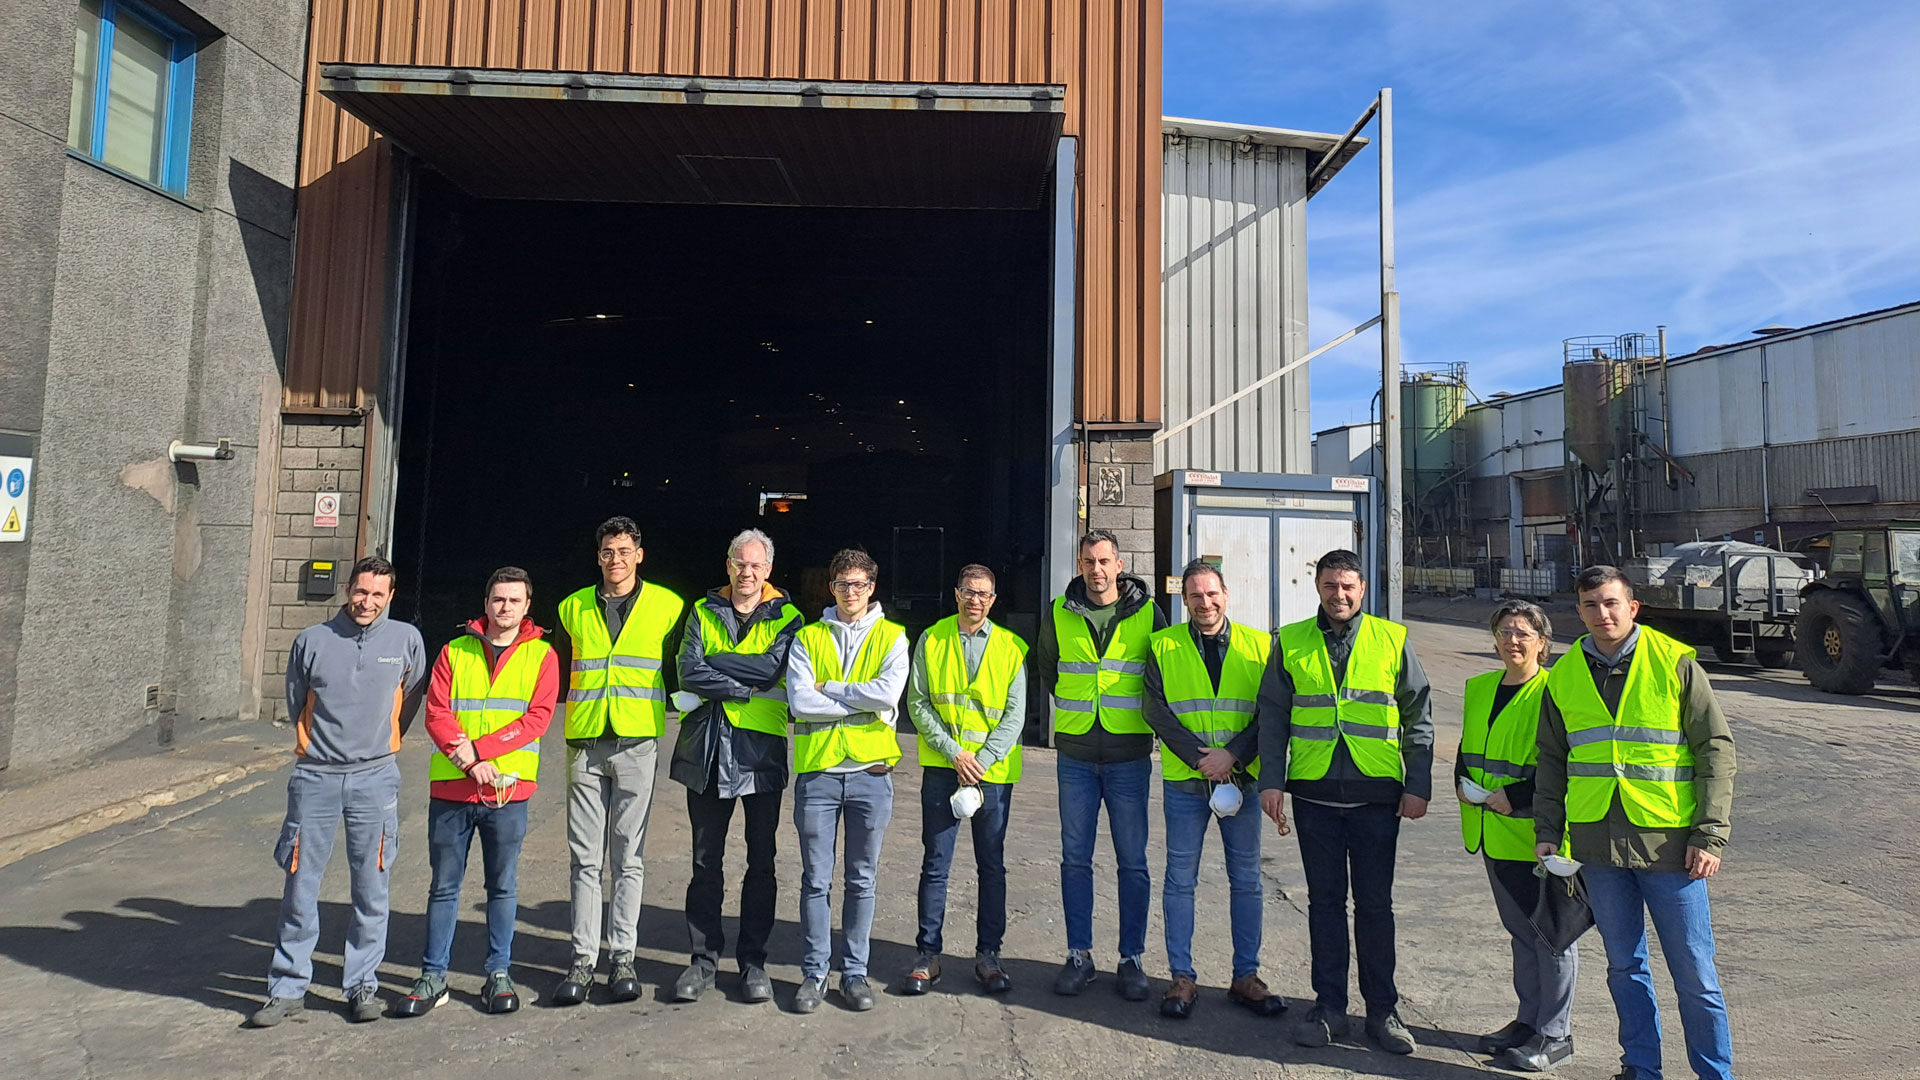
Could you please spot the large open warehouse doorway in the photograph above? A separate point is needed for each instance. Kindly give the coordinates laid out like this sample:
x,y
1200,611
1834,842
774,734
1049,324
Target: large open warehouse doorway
x,y
837,377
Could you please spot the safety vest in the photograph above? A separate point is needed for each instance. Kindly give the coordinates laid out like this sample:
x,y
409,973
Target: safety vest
x,y
1498,751
972,707
1360,710
1091,684
1642,754
1216,717
484,702
617,684
766,711
823,742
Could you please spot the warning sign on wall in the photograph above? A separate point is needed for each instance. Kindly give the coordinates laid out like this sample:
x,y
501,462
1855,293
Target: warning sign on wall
x,y
326,509
16,486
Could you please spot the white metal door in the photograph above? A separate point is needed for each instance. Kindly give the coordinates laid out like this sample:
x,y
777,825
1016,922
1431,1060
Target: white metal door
x,y
1243,545
1298,544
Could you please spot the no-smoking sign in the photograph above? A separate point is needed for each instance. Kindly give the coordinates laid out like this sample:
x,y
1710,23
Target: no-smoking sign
x,y
326,509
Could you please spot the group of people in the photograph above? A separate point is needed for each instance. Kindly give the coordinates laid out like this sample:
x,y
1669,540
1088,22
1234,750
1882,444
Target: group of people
x,y
1623,766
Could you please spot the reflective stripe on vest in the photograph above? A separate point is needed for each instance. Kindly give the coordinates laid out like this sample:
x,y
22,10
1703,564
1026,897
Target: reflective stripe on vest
x,y
1498,751
1215,717
1360,710
821,743
1091,685
617,684
484,702
1642,753
971,708
766,712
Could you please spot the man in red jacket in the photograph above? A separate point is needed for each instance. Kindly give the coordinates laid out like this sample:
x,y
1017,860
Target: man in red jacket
x,y
490,700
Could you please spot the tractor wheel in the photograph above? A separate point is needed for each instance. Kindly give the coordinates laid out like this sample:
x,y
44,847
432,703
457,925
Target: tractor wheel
x,y
1774,653
1838,642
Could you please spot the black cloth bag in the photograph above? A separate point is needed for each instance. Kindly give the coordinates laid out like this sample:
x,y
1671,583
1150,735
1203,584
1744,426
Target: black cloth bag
x,y
1561,913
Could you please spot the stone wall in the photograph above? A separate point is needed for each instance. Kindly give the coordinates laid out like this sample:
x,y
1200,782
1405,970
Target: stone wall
x,y
1120,495
316,454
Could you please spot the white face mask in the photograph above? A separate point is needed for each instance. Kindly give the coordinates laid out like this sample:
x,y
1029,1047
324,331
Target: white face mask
x,y
966,802
1225,800
1560,865
1474,792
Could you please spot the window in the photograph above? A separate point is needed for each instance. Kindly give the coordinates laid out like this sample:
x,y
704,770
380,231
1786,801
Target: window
x,y
132,92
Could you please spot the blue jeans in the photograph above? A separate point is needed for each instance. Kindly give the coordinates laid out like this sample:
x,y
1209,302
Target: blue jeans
x,y
938,831
450,829
1622,900
1341,846
1187,818
822,803
1084,785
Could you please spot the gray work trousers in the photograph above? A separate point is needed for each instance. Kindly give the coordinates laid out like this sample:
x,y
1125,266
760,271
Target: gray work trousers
x,y
318,797
1542,979
609,796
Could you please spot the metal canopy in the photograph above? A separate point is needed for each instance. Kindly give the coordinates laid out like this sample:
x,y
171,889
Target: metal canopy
x,y
672,139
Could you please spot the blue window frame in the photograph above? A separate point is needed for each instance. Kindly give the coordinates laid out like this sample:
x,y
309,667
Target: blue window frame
x,y
133,92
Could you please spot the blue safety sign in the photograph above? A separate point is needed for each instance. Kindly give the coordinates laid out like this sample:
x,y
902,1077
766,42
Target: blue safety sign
x,y
16,483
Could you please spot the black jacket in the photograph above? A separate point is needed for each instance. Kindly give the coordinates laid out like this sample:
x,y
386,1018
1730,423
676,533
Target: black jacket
x,y
1098,745
738,761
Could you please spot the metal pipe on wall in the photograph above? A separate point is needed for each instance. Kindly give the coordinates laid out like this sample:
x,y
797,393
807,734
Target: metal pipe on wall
x,y
1766,438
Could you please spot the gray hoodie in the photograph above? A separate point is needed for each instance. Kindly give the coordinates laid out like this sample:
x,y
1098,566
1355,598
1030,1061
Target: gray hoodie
x,y
353,690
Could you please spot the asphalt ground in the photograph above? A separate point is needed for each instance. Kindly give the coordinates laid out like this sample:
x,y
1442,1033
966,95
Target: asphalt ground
x,y
138,949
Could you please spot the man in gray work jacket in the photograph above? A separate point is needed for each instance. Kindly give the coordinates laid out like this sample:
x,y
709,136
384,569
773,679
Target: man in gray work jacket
x,y
354,683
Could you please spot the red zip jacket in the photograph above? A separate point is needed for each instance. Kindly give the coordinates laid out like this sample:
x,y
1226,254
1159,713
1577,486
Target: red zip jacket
x,y
443,727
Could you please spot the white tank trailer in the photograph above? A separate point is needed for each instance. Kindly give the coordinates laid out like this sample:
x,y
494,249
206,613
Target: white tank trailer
x,y
1737,599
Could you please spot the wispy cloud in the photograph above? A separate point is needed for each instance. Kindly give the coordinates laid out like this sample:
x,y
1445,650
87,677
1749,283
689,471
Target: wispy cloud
x,y
1569,171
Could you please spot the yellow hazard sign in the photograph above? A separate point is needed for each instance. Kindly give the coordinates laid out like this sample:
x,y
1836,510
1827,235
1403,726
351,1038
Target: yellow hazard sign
x,y
16,476
13,520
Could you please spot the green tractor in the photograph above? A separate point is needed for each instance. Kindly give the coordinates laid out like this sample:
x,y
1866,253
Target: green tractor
x,y
1863,613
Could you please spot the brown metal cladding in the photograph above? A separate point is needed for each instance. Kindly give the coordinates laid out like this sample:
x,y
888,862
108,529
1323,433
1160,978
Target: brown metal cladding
x,y
1105,52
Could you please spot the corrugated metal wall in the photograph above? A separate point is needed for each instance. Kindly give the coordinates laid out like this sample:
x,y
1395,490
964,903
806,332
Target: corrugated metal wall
x,y
1234,304
1106,53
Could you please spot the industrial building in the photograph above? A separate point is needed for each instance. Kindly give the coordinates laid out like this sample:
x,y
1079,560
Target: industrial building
x,y
454,280
1765,440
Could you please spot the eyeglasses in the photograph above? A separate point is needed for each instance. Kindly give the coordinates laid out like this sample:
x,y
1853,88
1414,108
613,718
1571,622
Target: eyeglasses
x,y
756,567
852,586
973,594
610,554
1515,633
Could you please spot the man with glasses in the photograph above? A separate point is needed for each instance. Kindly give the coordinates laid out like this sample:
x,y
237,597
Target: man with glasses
x,y
733,749
844,678
620,632
968,698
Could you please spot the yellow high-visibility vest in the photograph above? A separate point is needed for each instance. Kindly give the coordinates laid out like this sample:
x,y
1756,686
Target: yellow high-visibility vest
x,y
1499,751
1360,710
618,684
766,710
1090,683
485,702
1642,753
828,741
972,707
1216,717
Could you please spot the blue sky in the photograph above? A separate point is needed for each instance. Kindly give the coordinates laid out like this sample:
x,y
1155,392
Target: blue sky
x,y
1570,169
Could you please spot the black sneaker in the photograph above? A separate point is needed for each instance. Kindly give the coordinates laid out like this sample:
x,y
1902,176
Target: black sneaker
x,y
1133,984
1390,1033
754,984
811,993
991,974
693,982
857,992
1075,974
1515,1033
500,995
429,992
573,989
364,1003
278,1009
623,983
1538,1054
1320,1026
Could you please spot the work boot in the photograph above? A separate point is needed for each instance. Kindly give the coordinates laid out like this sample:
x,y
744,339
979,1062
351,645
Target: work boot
x,y
696,980
364,1003
623,983
754,984
500,995
1133,983
1538,1054
1178,1002
1390,1033
278,1009
573,989
811,993
1250,993
925,972
991,975
1320,1026
1515,1033
429,993
1075,974
857,992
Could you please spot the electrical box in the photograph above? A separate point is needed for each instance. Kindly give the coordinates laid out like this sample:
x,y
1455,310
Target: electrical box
x,y
318,580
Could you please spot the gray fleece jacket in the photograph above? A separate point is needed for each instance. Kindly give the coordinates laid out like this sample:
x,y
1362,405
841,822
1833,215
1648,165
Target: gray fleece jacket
x,y
353,690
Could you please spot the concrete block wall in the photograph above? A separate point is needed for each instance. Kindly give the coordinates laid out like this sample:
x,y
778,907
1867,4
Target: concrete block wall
x,y
1120,495
316,454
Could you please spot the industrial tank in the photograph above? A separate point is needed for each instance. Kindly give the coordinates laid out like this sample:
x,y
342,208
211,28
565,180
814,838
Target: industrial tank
x,y
1431,409
1593,400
